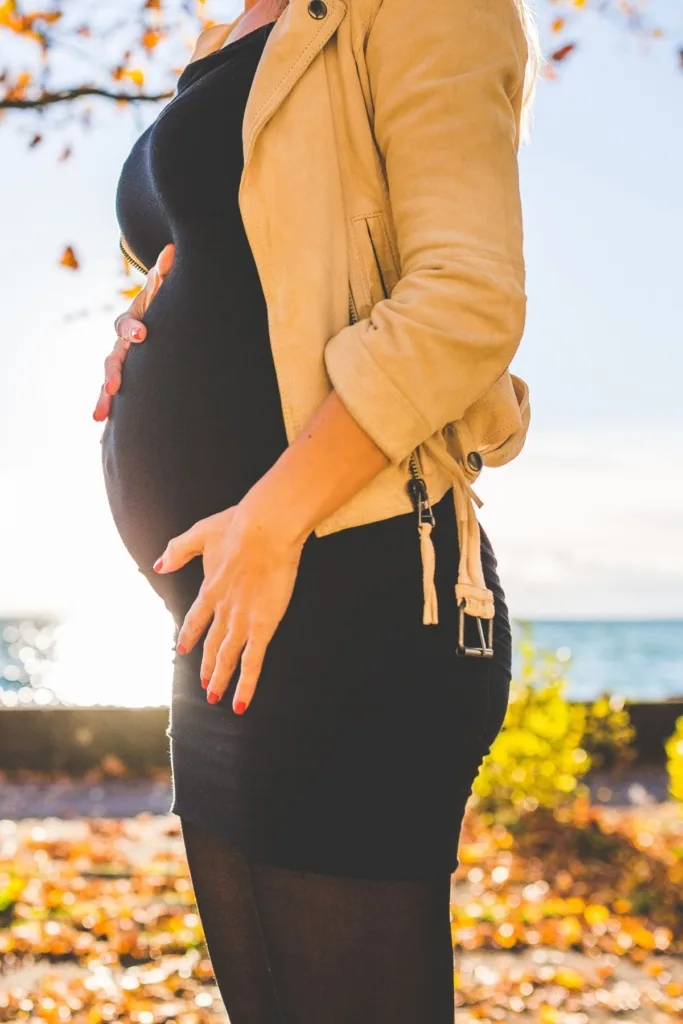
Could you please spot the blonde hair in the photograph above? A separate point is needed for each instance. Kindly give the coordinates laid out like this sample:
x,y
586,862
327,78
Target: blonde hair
x,y
534,64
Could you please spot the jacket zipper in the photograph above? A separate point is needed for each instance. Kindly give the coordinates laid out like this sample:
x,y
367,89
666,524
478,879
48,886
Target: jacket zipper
x,y
417,489
129,259
416,486
352,309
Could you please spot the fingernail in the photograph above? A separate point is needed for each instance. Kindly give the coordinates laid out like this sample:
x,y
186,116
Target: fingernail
x,y
158,564
205,684
181,649
240,707
136,332
212,697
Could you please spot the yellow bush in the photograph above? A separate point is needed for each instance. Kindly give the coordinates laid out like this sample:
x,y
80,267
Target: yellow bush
x,y
538,758
609,734
548,743
674,763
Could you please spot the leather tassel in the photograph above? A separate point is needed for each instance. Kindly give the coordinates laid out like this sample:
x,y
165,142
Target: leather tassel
x,y
430,611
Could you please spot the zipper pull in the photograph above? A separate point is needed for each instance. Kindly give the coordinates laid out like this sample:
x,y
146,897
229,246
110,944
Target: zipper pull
x,y
417,489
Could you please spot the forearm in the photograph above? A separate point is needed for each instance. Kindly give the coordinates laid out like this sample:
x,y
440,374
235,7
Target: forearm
x,y
330,461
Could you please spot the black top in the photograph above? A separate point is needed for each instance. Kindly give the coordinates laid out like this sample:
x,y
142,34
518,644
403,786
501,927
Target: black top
x,y
203,381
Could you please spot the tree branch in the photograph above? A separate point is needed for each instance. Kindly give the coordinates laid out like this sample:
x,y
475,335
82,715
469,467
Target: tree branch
x,y
66,95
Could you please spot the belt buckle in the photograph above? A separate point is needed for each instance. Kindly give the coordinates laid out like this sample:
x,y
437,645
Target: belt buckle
x,y
486,649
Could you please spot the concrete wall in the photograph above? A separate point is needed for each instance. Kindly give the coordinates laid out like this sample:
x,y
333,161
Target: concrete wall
x,y
76,739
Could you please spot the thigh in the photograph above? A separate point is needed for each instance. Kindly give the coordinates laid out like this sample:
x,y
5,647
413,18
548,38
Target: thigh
x,y
294,947
222,887
357,951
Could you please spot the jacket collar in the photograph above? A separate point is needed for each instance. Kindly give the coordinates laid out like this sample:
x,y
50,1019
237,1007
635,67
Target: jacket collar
x,y
291,46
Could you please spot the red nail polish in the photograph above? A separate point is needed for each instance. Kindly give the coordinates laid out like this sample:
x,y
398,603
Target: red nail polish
x,y
157,565
135,332
212,697
240,707
181,649
205,683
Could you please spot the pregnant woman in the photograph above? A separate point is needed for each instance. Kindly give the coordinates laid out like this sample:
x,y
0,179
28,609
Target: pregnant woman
x,y
297,403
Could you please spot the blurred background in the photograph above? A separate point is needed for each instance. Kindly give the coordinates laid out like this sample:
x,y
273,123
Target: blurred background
x,y
572,856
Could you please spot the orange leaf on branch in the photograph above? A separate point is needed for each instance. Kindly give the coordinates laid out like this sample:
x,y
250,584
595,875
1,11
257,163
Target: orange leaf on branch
x,y
68,259
563,52
134,75
151,38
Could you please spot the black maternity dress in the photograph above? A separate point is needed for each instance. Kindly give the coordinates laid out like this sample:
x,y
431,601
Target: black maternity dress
x,y
358,751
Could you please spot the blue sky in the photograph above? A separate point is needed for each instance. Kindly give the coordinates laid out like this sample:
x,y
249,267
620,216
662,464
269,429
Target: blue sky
x,y
588,521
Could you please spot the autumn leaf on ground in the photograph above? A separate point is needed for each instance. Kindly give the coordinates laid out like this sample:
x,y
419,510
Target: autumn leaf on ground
x,y
68,259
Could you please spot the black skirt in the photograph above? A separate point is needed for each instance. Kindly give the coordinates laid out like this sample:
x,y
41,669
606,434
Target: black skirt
x,y
358,751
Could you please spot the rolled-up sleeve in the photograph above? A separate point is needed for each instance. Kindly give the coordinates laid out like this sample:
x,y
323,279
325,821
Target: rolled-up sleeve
x,y
446,81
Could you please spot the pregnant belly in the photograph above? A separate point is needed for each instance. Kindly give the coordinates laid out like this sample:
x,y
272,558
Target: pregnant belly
x,y
197,420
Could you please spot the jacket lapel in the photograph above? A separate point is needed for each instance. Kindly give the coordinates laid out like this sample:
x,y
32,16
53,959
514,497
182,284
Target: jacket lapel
x,y
293,43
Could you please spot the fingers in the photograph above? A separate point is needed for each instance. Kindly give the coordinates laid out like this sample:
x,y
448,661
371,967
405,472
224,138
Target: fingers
x,y
103,406
250,670
128,325
224,644
197,619
182,548
129,328
227,644
113,365
165,260
219,666
212,642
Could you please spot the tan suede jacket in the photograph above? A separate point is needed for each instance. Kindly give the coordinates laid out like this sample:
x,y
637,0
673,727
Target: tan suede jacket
x,y
381,201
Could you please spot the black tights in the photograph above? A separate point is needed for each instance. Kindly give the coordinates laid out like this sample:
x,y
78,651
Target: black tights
x,y
294,947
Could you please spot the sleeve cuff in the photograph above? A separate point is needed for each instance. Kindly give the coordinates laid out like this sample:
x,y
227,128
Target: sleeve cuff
x,y
372,398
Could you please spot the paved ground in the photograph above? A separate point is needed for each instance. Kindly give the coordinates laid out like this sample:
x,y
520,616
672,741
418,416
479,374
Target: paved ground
x,y
541,985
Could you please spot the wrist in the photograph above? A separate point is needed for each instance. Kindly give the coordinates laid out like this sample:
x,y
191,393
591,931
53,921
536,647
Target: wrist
x,y
269,510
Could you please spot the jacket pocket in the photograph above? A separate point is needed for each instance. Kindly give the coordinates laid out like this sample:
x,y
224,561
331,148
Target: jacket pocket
x,y
377,258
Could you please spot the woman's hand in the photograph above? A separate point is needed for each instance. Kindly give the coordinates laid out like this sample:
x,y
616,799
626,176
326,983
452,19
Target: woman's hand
x,y
250,568
251,552
129,329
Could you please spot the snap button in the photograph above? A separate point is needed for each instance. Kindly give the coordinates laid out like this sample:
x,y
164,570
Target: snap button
x,y
475,461
317,9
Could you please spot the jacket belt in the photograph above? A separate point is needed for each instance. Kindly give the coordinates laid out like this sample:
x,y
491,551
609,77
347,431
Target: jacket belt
x,y
471,593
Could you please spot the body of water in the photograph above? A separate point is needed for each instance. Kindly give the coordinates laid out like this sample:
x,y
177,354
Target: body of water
x,y
45,662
